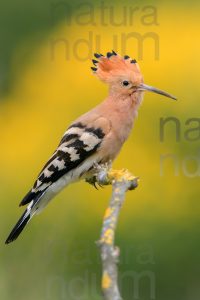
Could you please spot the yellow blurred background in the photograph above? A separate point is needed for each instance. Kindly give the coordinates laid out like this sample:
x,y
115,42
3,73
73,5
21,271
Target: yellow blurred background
x,y
51,84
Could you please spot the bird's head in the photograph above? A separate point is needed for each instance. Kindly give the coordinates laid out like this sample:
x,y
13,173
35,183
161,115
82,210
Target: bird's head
x,y
122,74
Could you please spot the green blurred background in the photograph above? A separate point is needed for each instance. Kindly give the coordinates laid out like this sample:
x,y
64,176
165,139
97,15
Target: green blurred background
x,y
45,83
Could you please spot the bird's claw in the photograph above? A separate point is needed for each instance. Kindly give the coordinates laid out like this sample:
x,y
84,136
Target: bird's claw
x,y
93,181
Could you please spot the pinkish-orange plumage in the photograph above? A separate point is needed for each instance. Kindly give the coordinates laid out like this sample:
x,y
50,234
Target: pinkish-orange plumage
x,y
95,137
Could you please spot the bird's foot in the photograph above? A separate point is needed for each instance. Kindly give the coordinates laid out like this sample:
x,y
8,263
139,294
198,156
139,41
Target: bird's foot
x,y
104,175
101,173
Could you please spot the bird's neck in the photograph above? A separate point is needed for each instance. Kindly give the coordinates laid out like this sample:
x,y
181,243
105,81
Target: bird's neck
x,y
125,105
121,111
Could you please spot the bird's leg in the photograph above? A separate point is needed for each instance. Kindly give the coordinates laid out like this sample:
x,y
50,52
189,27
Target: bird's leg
x,y
101,173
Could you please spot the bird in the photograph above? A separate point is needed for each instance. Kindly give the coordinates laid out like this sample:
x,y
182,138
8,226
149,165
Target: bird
x,y
96,137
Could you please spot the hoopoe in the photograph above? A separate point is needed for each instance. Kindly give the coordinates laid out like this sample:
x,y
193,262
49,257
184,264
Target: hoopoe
x,y
94,138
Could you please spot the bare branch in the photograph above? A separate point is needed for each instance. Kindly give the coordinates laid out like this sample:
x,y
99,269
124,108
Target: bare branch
x,y
121,181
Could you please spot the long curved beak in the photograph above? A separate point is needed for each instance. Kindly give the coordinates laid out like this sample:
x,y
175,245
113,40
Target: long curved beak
x,y
145,87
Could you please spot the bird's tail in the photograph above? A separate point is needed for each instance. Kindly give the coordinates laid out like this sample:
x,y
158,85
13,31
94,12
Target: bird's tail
x,y
25,218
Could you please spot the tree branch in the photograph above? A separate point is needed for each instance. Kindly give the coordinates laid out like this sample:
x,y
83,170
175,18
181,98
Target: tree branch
x,y
121,181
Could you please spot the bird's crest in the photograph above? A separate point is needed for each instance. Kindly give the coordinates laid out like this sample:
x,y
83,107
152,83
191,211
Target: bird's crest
x,y
108,67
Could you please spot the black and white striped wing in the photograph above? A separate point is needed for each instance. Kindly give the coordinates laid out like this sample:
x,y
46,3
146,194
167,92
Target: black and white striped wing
x,y
78,143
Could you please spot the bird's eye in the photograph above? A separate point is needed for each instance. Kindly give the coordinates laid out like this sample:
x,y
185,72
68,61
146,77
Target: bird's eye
x,y
125,83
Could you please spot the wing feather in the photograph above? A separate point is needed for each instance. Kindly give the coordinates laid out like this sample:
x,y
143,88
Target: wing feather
x,y
78,143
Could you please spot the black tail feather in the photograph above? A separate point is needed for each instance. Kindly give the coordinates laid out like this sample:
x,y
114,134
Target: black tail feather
x,y
18,227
